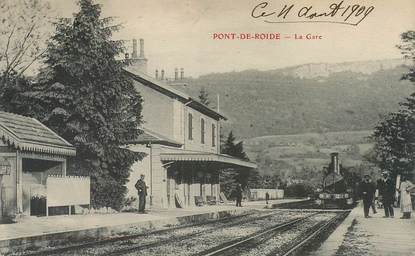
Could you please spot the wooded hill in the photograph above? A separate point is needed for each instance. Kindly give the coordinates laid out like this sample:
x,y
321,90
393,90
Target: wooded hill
x,y
297,100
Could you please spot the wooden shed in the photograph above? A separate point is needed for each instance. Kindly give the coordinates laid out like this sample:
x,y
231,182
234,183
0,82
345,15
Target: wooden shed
x,y
33,169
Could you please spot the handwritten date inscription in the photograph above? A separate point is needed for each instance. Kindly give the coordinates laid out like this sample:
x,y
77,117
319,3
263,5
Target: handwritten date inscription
x,y
340,13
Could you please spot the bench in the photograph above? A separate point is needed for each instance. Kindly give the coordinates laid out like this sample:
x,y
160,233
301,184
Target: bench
x,y
199,201
211,200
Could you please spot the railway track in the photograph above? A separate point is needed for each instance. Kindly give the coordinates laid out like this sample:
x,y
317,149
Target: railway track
x,y
256,231
244,246
305,204
134,249
309,238
124,240
226,248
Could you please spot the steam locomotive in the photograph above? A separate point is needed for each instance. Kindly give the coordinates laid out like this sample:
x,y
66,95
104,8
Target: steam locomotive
x,y
335,192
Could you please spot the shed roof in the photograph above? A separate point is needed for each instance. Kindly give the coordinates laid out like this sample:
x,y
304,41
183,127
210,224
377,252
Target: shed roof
x,y
28,134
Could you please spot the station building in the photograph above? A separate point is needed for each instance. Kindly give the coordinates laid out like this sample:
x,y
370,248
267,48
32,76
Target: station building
x,y
33,177
181,140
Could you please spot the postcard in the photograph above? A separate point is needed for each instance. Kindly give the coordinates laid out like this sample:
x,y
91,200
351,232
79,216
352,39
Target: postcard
x,y
195,127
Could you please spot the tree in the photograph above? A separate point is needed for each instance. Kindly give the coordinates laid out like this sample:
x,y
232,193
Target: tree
x,y
227,181
407,48
23,32
204,96
255,180
87,98
227,178
395,136
240,175
395,141
298,190
230,147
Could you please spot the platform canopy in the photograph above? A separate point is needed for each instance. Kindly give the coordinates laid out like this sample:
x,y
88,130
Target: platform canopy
x,y
195,156
28,134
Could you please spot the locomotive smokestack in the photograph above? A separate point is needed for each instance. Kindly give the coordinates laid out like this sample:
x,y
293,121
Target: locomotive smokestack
x,y
335,162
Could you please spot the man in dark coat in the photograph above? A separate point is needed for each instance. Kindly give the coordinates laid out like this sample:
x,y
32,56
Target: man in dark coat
x,y
142,193
238,195
266,197
386,189
367,190
373,205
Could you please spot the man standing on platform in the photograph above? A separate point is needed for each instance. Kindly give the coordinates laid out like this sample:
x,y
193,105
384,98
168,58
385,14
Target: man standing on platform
x,y
142,193
368,190
238,195
387,191
373,205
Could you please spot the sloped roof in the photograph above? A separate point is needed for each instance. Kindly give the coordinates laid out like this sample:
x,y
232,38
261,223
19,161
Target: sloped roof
x,y
152,137
172,92
28,134
198,156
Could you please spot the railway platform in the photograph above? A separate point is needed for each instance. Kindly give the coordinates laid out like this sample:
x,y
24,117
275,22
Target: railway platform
x,y
375,236
42,231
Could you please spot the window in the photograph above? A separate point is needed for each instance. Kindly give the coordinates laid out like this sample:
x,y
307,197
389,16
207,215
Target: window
x,y
202,131
213,135
190,123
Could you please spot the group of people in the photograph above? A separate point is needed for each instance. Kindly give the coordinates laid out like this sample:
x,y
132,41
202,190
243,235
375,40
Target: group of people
x,y
386,194
385,186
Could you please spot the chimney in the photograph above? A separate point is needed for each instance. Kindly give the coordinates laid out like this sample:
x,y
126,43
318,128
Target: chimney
x,y
181,73
162,74
138,62
157,74
134,55
141,48
176,74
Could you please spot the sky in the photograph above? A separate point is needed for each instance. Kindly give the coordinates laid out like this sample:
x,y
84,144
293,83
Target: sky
x,y
179,33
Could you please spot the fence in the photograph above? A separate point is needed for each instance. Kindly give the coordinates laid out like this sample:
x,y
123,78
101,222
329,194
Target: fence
x,y
259,194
